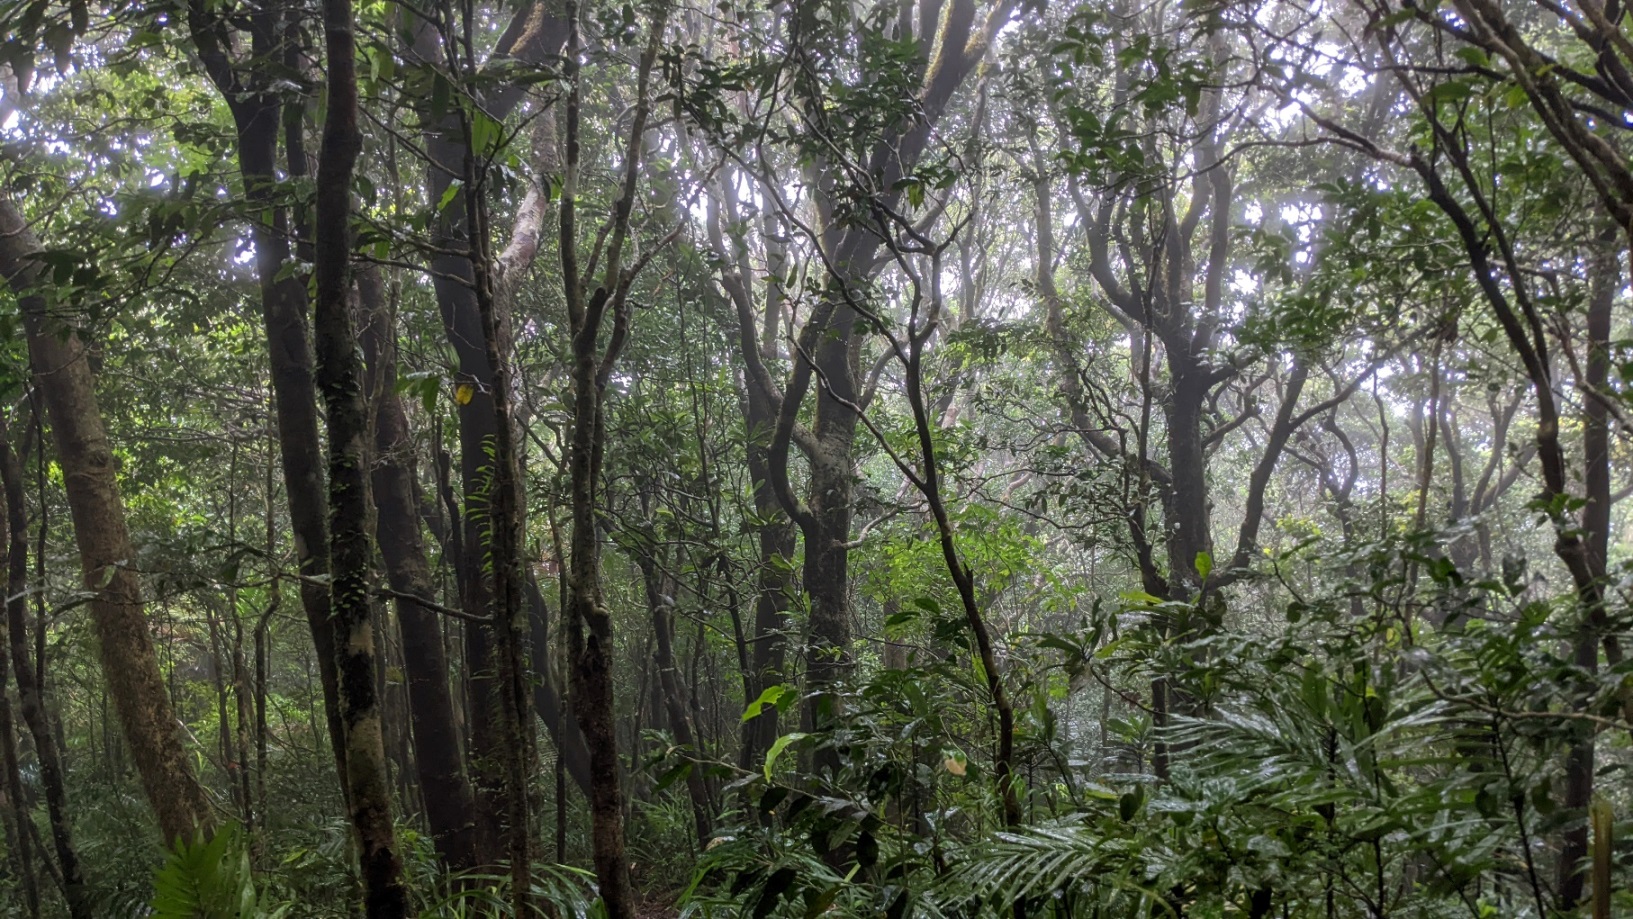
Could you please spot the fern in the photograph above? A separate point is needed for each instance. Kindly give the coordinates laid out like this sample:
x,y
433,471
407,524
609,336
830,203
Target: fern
x,y
568,891
1060,861
210,879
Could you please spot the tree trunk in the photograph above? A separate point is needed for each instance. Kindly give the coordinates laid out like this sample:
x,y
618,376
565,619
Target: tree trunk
x,y
661,604
535,35
773,592
256,116
351,550
827,558
505,534
129,662
766,650
826,522
19,845
18,841
1186,499
548,700
1596,522
590,645
449,804
589,621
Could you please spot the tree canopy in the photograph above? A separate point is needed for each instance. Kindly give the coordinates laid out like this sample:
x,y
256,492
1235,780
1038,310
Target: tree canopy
x,y
916,459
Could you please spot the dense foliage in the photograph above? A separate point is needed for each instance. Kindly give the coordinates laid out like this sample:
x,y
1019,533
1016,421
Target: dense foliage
x,y
931,458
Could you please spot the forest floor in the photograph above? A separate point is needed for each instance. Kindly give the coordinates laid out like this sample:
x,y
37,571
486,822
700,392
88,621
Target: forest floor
x,y
657,906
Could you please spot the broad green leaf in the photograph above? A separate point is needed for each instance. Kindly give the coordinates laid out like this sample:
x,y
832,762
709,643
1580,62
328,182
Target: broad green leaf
x,y
771,696
449,194
780,744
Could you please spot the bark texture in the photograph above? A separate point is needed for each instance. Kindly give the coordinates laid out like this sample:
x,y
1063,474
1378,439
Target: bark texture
x,y
90,478
535,35
30,696
257,114
445,787
351,550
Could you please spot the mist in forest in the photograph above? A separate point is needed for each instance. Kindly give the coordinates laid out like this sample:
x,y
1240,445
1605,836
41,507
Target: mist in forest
x,y
933,458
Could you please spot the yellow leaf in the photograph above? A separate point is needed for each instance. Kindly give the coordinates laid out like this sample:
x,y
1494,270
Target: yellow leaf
x,y
954,764
464,393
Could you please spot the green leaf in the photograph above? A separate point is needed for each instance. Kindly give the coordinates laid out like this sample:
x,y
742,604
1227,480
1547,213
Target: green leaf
x,y
775,887
209,879
1129,804
1204,564
896,622
771,696
1451,92
780,744
449,194
485,132
1474,56
820,903
672,776
441,92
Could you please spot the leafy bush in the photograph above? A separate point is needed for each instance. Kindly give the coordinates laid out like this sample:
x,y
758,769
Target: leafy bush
x,y
211,879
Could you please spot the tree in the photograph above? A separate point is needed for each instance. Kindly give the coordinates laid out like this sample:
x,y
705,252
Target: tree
x,y
590,299
129,663
1171,457
351,550
255,97
448,800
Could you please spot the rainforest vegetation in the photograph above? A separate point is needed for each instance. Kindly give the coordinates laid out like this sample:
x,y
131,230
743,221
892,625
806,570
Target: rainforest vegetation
x,y
854,458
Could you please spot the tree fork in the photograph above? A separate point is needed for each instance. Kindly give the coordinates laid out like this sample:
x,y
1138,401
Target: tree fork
x,y
256,118
589,621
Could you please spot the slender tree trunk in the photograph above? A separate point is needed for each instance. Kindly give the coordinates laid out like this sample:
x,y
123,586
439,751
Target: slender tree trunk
x,y
929,484
223,719
19,847
18,841
263,662
590,640
827,528
661,604
774,580
829,346
549,702
449,805
351,550
257,115
242,718
239,768
129,663
1579,766
535,34
504,527
1186,500
774,589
